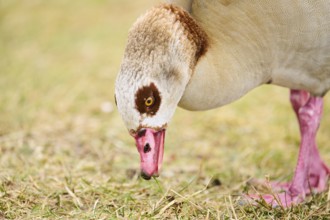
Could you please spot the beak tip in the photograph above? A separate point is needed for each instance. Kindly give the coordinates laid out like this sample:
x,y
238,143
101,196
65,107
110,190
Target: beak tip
x,y
145,176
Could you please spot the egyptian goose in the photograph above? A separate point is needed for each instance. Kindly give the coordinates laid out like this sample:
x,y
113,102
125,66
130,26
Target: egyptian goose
x,y
204,54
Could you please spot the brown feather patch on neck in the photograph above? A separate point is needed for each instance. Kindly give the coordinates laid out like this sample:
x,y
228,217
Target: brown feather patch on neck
x,y
194,32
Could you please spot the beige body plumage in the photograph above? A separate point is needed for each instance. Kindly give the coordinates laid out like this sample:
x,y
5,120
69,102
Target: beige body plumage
x,y
282,42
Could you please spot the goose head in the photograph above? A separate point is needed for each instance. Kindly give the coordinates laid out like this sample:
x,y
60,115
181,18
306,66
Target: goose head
x,y
162,49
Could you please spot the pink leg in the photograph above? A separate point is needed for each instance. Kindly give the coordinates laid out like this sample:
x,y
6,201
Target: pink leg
x,y
311,173
318,172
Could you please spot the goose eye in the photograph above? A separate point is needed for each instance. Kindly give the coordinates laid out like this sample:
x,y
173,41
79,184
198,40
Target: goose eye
x,y
149,101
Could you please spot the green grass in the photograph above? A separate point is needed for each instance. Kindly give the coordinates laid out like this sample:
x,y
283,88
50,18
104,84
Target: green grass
x,y
63,157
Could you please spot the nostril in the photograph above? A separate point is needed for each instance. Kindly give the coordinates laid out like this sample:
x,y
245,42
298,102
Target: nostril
x,y
146,148
142,133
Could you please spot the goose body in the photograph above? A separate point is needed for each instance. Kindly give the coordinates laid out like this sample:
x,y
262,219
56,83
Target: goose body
x,y
286,43
205,54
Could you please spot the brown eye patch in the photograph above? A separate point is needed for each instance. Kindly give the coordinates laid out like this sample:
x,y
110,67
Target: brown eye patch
x,y
143,99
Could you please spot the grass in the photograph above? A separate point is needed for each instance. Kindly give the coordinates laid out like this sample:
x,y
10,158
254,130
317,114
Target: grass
x,y
65,153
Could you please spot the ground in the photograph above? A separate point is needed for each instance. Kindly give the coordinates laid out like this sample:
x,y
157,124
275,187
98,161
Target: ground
x,y
65,153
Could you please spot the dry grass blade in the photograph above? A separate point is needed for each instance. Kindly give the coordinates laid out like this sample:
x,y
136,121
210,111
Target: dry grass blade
x,y
76,200
184,198
95,205
162,211
232,207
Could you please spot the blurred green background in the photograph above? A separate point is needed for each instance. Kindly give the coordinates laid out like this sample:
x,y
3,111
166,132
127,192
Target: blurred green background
x,y
60,57
65,153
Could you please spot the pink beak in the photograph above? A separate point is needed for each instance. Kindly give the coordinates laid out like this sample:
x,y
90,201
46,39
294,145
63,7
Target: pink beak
x,y
150,144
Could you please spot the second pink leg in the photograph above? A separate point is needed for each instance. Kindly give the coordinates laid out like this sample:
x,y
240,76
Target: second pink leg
x,y
311,172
